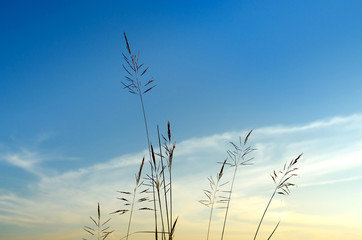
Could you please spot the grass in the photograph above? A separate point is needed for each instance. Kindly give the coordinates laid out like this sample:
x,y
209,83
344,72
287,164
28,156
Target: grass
x,y
155,188
238,156
100,231
125,197
213,194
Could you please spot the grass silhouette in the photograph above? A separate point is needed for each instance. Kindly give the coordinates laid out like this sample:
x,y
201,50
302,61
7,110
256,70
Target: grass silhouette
x,y
156,186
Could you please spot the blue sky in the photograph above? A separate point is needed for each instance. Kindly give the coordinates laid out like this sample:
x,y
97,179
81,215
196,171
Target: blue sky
x,y
220,68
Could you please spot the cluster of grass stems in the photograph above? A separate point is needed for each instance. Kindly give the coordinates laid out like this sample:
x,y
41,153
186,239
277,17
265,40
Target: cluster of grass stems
x,y
153,191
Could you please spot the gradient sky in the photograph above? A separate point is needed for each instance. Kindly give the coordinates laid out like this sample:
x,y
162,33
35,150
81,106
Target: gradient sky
x,y
70,136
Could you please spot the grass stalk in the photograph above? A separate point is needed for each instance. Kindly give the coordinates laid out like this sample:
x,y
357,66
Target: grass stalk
x,y
161,213
131,213
164,182
171,200
213,195
265,210
158,183
169,153
282,187
149,149
212,209
132,203
134,85
273,231
238,157
154,203
228,203
101,232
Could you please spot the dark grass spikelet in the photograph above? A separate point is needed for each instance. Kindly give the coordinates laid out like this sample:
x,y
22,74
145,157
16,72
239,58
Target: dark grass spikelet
x,y
168,148
135,71
214,195
282,180
158,182
130,199
239,157
100,231
157,179
134,84
285,175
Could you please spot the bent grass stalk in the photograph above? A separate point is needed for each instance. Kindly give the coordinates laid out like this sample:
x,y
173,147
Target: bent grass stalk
x,y
134,86
282,187
238,159
212,195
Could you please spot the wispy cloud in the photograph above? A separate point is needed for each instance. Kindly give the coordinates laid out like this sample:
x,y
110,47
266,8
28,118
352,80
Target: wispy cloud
x,y
331,147
24,159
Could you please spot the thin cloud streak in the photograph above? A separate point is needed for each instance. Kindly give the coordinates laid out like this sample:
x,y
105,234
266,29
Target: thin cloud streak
x,y
26,160
339,180
67,198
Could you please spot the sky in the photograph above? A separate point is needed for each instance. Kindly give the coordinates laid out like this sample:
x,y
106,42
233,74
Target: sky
x,y
71,136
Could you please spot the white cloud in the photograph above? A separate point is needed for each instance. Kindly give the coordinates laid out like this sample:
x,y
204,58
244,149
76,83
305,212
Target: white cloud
x,y
331,146
25,159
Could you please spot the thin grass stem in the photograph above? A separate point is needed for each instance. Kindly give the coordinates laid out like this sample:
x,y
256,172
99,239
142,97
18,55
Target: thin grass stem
x,y
134,86
228,203
163,178
170,175
131,212
238,159
160,204
211,210
265,210
282,187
